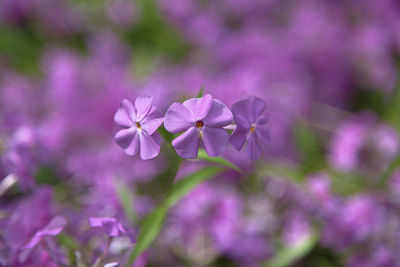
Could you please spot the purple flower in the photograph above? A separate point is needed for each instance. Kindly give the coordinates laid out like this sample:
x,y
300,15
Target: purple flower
x,y
203,120
140,122
363,143
110,226
251,127
54,227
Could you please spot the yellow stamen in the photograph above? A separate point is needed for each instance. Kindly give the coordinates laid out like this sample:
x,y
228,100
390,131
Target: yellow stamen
x,y
252,129
199,124
138,125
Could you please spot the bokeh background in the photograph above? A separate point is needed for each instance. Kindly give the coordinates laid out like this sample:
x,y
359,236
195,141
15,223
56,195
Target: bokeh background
x,y
327,191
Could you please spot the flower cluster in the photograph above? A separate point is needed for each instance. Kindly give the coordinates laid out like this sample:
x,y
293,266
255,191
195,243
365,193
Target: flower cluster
x,y
328,71
199,121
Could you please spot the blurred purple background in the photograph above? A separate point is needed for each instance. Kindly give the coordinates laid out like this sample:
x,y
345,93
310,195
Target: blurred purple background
x,y
327,189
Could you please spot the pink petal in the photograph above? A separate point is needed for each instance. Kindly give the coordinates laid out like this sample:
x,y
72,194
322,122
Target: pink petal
x,y
178,118
111,228
152,121
133,148
187,144
125,114
241,114
263,135
257,107
214,140
124,137
238,137
252,149
219,115
110,225
149,148
143,105
199,106
54,227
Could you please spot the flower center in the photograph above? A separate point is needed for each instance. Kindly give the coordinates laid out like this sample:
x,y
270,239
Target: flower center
x,y
199,124
138,125
252,129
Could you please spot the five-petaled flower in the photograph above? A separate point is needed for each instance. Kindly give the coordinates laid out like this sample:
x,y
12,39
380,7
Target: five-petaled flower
x,y
110,225
202,120
140,122
251,127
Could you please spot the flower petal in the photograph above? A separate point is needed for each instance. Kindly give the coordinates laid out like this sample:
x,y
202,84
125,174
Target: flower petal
x,y
178,118
199,106
257,107
252,149
187,144
125,114
143,105
133,147
241,111
149,148
263,135
110,225
152,121
219,115
54,227
214,140
238,137
124,137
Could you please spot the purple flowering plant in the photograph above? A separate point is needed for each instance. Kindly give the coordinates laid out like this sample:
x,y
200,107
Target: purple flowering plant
x,y
140,122
291,157
251,127
201,121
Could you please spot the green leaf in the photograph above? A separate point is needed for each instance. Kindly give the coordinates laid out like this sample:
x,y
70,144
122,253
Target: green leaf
x,y
165,134
203,156
201,92
151,225
392,111
126,199
185,185
281,169
309,146
70,245
289,255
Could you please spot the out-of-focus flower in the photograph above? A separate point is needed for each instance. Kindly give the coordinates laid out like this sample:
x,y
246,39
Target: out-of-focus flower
x,y
20,157
355,220
110,225
203,120
394,184
251,129
319,186
140,122
121,12
296,229
378,256
27,220
362,143
54,227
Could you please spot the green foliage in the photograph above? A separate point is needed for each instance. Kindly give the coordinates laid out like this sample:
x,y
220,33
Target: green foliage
x,y
202,155
151,225
126,199
21,48
368,100
392,112
309,147
151,35
46,175
201,92
287,256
